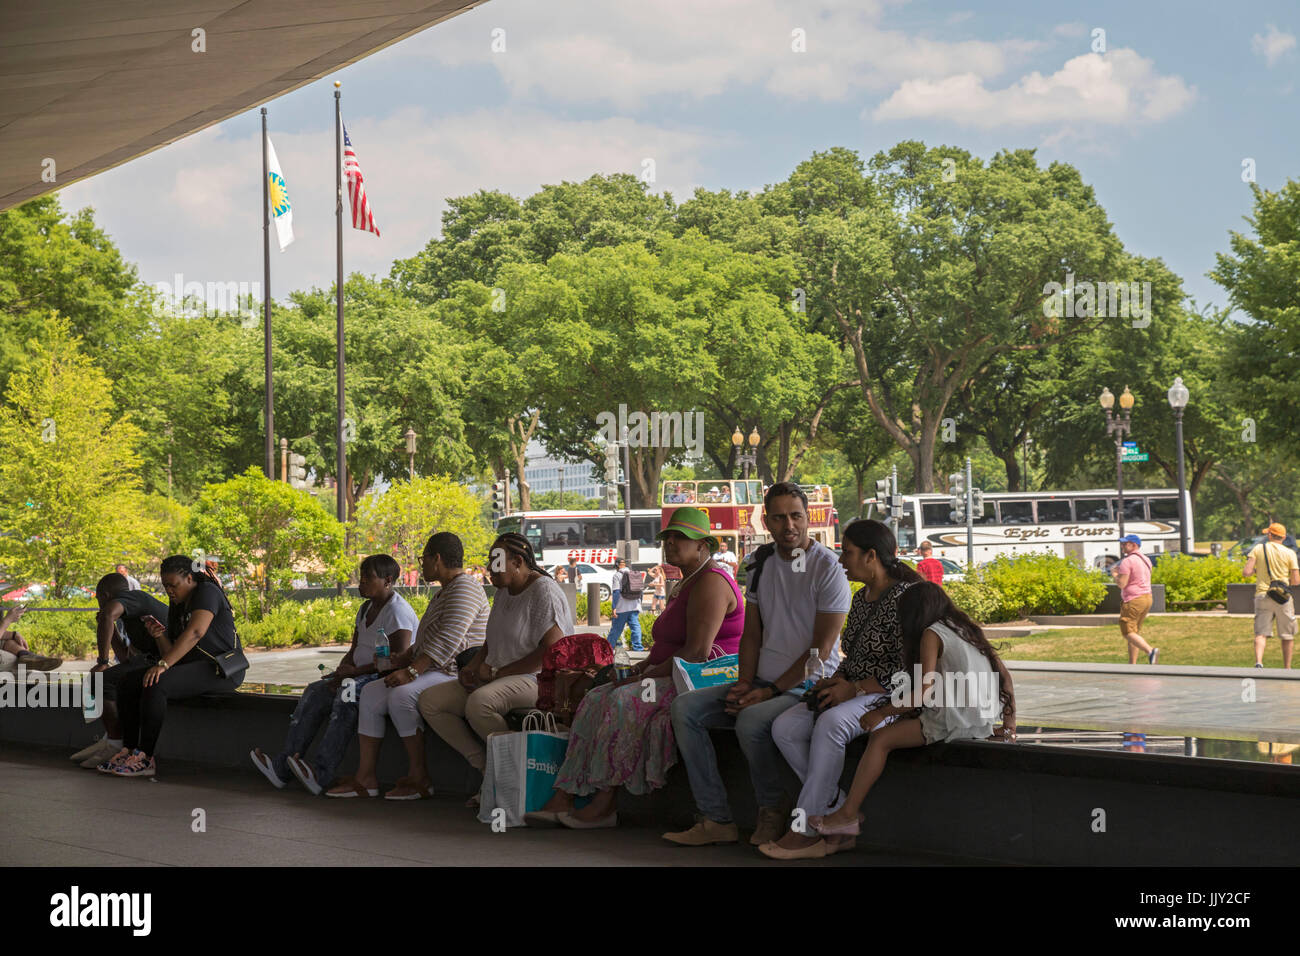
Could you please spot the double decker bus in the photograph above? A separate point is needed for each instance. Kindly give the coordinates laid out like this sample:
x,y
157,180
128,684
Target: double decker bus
x,y
590,537
1078,524
735,510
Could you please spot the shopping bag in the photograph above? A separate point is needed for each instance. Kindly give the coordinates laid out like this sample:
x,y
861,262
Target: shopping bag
x,y
688,676
521,768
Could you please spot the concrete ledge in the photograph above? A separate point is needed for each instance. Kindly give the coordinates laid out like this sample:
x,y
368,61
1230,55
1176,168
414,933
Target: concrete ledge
x,y
1111,603
1014,803
1241,597
1264,673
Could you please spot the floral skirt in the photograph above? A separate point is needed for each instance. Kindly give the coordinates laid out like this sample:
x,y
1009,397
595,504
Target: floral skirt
x,y
620,739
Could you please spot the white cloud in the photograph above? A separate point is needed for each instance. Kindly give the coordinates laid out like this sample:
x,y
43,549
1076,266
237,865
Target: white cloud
x,y
1075,29
203,193
1272,45
632,55
1117,88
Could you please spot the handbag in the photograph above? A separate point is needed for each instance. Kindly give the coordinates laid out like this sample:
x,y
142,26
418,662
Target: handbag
x,y
1277,589
230,664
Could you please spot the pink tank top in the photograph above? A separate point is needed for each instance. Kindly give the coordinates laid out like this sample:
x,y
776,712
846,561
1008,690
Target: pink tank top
x,y
669,631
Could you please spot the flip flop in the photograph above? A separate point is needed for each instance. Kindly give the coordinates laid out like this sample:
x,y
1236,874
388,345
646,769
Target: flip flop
x,y
306,776
356,790
263,763
407,789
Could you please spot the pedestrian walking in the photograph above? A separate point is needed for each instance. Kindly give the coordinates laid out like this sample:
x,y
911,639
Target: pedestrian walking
x,y
1274,566
1133,575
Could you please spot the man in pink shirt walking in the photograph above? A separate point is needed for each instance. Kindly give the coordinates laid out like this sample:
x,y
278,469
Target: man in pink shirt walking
x,y
1133,575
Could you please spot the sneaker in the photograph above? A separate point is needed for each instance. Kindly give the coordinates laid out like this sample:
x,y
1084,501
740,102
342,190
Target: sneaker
x,y
704,833
136,765
1151,658
111,764
101,753
1259,665
85,752
771,826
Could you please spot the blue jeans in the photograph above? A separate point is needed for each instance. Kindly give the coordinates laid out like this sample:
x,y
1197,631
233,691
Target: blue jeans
x,y
321,701
632,619
695,713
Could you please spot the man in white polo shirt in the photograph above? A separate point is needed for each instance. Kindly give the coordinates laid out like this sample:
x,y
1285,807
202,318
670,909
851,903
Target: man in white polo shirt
x,y
799,603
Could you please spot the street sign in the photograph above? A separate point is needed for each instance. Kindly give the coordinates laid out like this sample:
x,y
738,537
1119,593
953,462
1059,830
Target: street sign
x,y
1130,446
1135,457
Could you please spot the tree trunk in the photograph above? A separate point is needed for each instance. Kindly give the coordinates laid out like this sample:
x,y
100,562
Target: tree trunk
x,y
1012,464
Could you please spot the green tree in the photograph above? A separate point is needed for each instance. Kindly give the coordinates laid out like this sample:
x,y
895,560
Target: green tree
x,y
400,521
570,501
70,499
264,532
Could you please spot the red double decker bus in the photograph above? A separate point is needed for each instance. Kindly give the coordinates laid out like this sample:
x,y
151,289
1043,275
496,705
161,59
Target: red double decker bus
x,y
735,510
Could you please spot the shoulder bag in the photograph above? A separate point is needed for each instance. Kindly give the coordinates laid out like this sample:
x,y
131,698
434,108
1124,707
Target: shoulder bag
x,y
1277,589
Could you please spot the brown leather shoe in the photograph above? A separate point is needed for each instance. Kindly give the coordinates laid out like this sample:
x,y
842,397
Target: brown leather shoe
x,y
771,826
704,833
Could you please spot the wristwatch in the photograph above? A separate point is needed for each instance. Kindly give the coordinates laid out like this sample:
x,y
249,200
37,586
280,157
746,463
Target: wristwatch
x,y
410,669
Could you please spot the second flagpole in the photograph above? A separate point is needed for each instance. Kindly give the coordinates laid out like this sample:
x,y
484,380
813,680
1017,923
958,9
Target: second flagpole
x,y
342,467
266,303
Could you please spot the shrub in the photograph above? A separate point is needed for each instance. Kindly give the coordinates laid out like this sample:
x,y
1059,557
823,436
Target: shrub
x,y
981,602
1187,579
1042,584
62,634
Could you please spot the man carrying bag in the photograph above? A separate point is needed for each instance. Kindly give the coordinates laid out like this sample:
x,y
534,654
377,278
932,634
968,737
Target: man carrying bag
x,y
1274,566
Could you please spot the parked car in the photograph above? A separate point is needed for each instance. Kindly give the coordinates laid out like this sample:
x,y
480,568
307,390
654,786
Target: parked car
x,y
591,572
1241,550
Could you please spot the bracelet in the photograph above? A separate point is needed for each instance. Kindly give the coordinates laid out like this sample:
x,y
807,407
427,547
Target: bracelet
x,y
410,669
163,664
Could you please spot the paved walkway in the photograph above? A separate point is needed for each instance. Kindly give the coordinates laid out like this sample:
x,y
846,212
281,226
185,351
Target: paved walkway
x,y
56,814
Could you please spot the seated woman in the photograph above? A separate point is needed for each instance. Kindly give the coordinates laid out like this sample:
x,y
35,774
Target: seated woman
x,y
621,739
872,651
953,655
200,629
454,619
529,614
332,702
14,650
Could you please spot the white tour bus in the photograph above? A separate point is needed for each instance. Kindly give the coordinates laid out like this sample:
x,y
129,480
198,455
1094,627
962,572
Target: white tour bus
x,y
588,536
1080,524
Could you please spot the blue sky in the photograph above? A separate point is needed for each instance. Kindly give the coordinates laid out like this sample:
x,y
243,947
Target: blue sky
x,y
1159,123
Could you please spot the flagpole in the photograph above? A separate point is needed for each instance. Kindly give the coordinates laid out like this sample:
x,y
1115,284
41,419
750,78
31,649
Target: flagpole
x,y
266,306
341,502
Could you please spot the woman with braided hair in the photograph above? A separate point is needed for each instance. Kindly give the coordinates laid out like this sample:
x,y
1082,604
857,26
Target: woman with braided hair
x,y
813,738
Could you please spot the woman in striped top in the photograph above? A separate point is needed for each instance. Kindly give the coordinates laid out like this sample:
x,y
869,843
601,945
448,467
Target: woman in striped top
x,y
454,620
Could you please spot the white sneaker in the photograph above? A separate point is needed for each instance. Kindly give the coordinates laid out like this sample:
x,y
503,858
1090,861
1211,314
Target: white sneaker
x,y
103,750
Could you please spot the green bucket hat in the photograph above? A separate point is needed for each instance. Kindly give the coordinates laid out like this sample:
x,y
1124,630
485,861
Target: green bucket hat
x,y
693,523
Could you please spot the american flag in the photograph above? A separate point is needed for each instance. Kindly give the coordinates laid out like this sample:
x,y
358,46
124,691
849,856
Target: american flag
x,y
362,217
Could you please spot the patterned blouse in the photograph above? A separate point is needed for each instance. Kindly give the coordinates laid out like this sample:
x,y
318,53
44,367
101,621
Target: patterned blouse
x,y
872,643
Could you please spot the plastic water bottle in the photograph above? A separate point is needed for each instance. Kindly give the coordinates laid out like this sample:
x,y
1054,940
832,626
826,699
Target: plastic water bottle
x,y
89,713
622,662
383,653
812,671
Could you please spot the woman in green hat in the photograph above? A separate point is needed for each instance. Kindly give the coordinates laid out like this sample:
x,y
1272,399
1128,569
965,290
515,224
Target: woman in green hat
x,y
622,734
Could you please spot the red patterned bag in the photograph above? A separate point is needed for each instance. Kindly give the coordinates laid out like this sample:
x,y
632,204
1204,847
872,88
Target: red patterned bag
x,y
568,671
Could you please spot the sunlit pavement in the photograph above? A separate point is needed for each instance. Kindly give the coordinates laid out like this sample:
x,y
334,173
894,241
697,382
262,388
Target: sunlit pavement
x,y
56,814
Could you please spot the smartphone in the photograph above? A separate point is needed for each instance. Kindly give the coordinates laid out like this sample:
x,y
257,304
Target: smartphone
x,y
150,619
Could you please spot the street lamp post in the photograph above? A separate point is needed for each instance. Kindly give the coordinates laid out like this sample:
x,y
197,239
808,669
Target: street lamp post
x,y
1119,426
561,486
410,449
746,459
1178,396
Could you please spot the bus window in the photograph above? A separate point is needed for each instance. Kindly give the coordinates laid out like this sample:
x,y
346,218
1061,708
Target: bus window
x,y
1135,509
1164,509
1091,509
1016,512
987,517
602,532
508,526
533,532
1055,511
755,491
935,515
742,492
644,530
561,534
716,493
679,493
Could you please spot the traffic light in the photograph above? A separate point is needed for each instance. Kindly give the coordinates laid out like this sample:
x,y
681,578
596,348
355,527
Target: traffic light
x,y
882,490
610,502
297,471
611,463
957,483
499,497
977,502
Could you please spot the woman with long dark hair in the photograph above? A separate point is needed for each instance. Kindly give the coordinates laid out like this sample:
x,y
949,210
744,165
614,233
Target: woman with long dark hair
x,y
813,737
963,687
200,655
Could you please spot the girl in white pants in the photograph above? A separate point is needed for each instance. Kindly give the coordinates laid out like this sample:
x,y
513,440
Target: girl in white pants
x,y
814,749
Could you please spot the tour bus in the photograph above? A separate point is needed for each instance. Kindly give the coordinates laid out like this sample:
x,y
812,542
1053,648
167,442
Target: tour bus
x,y
1079,524
735,510
588,536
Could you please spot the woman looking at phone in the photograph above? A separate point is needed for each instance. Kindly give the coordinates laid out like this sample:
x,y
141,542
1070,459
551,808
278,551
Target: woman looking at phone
x,y
200,630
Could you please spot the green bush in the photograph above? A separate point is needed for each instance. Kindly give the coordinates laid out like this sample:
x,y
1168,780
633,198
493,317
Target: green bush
x,y
1187,579
606,609
60,634
981,602
1041,584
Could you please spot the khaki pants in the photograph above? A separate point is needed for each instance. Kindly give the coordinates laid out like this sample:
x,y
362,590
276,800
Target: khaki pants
x,y
1133,613
464,719
1267,611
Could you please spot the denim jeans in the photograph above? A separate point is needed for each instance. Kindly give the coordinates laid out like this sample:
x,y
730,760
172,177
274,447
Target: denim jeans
x,y
695,713
320,701
632,619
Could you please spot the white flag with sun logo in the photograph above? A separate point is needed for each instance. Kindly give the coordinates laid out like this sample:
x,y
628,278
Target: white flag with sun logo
x,y
281,208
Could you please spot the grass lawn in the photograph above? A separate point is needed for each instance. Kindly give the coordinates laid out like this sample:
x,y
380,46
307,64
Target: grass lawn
x,y
1204,641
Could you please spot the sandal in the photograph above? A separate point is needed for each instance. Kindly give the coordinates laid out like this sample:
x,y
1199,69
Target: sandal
x,y
306,776
350,787
408,789
263,763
